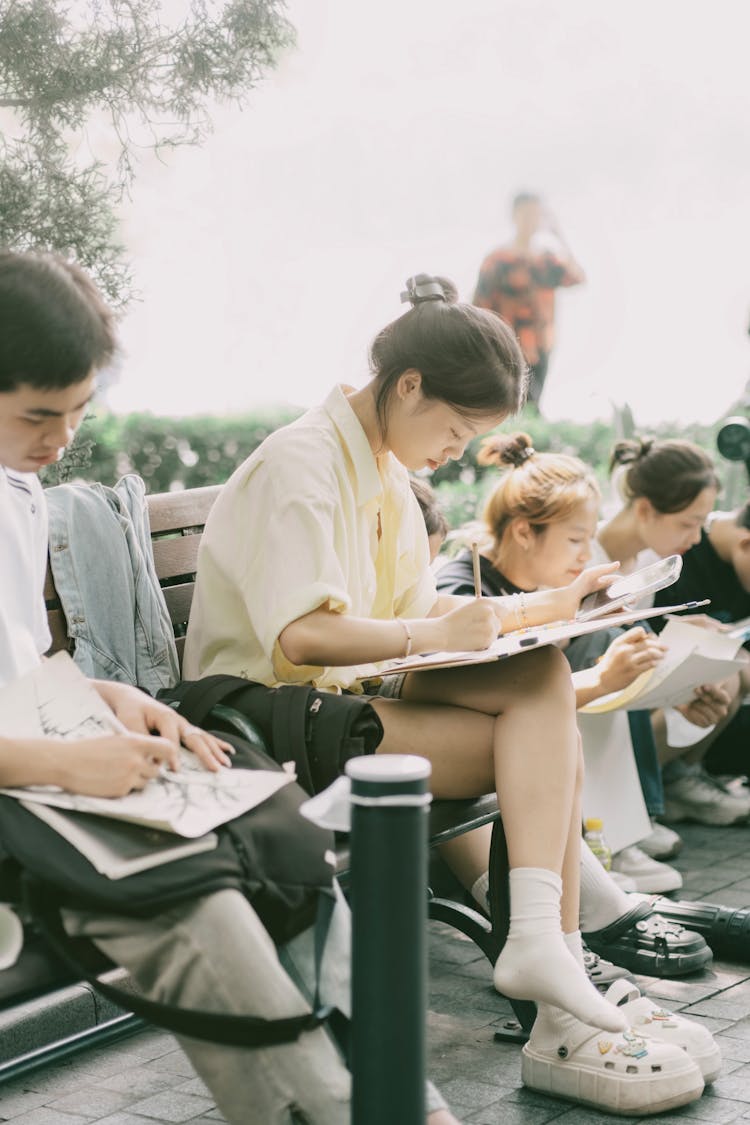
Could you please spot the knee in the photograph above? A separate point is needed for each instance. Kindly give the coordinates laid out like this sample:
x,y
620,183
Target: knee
x,y
548,673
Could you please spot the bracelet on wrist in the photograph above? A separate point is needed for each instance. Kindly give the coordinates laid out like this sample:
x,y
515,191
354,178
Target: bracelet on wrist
x,y
407,630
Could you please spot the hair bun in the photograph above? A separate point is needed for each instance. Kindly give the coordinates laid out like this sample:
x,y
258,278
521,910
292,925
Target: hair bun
x,y
506,449
628,451
423,287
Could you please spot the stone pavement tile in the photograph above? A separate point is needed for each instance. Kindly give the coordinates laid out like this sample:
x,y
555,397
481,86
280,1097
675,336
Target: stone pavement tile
x,y
16,1099
727,896
170,1106
712,1111
195,1086
575,1115
92,1102
684,990
175,1062
44,1116
734,1049
733,1087
470,1093
720,1007
54,1081
143,1080
510,1113
738,1030
122,1117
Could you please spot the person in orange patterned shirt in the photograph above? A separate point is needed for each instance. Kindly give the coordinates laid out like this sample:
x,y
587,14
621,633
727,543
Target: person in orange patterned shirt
x,y
518,282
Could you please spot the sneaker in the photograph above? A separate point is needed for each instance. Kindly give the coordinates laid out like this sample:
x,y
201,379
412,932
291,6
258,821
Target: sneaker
x,y
649,876
695,795
624,882
661,842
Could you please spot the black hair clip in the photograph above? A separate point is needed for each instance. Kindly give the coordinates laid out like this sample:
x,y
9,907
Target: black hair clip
x,y
419,289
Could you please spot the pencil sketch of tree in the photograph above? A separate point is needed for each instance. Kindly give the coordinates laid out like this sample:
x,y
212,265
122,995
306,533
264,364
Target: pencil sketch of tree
x,y
87,87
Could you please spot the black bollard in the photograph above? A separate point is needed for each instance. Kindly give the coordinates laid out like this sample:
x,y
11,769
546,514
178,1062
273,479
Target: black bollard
x,y
390,807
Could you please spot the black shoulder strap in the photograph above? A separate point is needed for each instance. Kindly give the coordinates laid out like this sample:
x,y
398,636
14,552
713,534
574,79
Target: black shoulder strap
x,y
235,1031
289,722
199,697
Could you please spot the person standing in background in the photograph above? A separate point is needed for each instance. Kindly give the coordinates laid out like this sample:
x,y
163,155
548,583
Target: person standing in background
x,y
519,279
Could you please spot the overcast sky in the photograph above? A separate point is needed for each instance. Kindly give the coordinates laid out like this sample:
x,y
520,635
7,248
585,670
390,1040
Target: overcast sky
x,y
391,141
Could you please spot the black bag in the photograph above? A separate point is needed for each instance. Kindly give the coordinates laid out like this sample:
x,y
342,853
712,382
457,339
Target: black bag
x,y
318,730
272,854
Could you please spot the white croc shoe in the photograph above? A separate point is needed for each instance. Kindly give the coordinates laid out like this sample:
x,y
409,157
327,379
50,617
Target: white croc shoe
x,y
648,1018
625,1073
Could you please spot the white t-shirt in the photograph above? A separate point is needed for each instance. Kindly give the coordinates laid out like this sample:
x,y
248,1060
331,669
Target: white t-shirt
x,y
24,633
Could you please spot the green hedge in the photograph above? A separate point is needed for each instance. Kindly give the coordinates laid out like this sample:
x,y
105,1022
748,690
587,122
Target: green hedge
x,y
176,453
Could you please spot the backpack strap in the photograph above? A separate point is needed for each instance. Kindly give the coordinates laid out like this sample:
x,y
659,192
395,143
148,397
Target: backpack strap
x,y
288,732
42,902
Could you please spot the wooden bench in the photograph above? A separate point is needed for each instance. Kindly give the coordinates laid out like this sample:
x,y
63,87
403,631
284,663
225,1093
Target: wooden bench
x,y
177,520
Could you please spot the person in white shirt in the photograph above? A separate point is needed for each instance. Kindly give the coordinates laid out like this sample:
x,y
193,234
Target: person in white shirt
x,y
212,953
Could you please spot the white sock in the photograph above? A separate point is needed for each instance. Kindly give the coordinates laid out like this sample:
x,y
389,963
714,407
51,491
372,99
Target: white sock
x,y
535,962
602,901
574,943
480,890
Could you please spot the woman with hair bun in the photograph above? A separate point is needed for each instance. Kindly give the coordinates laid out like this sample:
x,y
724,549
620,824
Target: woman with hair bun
x,y
668,489
314,569
540,523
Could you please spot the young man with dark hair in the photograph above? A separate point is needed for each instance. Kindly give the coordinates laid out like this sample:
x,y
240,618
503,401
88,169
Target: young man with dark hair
x,y
212,953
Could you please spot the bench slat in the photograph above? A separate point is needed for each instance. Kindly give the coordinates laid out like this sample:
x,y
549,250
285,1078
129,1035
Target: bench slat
x,y
175,557
179,599
170,511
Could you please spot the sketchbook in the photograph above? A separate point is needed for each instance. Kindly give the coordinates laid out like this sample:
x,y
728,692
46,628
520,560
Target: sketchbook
x,y
694,656
510,644
56,700
117,848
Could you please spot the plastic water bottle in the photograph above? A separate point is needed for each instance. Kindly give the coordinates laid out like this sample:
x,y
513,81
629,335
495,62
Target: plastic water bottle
x,y
594,837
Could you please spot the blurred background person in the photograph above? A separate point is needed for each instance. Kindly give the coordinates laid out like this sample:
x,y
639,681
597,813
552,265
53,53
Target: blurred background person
x,y
518,281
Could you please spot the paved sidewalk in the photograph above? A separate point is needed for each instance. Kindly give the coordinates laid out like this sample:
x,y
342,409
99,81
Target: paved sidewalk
x,y
146,1080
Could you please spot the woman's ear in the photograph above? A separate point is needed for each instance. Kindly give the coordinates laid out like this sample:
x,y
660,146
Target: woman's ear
x,y
521,533
643,508
409,383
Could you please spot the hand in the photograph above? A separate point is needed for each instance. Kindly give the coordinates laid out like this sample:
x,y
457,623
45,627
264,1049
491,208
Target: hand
x,y
589,581
470,627
144,715
113,765
629,655
709,707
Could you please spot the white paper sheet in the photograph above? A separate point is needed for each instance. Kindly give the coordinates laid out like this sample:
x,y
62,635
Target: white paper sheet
x,y
56,700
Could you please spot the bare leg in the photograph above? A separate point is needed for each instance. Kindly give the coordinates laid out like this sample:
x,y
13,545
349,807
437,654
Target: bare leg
x,y
511,727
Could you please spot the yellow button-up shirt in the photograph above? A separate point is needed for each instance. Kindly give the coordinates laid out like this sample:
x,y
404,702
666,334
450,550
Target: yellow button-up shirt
x,y
312,518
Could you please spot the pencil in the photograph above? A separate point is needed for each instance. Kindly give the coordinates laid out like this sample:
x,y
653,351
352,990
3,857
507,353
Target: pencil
x,y
477,571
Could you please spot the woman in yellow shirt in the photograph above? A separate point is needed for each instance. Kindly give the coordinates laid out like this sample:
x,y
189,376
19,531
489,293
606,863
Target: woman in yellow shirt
x,y
314,568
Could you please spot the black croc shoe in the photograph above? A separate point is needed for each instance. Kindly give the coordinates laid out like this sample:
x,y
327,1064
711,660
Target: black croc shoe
x,y
646,942
600,972
725,928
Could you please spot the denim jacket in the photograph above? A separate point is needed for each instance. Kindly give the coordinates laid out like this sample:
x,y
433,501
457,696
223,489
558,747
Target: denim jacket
x,y
100,554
